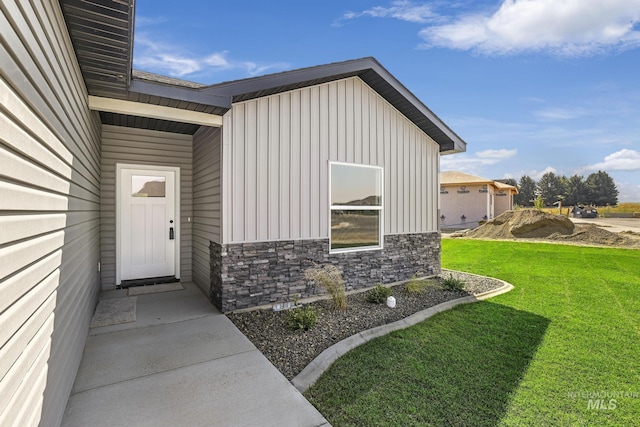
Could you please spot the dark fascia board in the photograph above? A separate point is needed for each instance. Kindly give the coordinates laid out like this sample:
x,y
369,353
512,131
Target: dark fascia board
x,y
288,78
180,93
395,92
132,26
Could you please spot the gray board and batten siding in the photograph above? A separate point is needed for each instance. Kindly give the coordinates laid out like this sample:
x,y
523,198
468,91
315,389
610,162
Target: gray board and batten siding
x,y
276,153
143,147
207,151
49,213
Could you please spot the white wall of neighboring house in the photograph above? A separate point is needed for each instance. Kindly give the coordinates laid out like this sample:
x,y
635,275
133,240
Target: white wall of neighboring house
x,y
503,201
474,202
50,219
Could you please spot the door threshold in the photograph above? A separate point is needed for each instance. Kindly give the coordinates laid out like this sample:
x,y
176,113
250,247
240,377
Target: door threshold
x,y
149,281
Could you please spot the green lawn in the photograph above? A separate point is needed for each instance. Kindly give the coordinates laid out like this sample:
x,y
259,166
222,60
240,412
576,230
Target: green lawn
x,y
562,348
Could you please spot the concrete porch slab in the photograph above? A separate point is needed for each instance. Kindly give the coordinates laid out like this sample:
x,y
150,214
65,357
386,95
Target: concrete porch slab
x,y
191,342
238,390
181,363
162,308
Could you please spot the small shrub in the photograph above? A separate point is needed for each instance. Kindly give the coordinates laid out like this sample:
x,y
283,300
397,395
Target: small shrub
x,y
415,286
538,202
378,294
303,318
328,276
453,284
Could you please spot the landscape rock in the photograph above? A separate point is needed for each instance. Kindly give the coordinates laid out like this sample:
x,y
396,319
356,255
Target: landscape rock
x,y
292,350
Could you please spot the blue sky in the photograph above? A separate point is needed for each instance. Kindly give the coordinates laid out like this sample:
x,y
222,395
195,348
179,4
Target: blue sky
x,y
531,85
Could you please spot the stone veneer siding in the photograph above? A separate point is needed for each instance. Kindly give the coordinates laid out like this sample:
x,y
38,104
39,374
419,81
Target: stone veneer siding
x,y
252,274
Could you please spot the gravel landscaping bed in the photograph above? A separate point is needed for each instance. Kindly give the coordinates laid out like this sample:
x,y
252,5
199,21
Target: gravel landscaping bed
x,y
291,351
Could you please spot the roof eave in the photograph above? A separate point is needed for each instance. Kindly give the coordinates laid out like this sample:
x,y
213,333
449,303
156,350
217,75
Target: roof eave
x,y
370,71
132,26
180,93
104,29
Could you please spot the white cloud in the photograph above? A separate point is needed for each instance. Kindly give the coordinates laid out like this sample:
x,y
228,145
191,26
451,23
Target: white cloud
x,y
557,113
175,61
537,175
147,21
558,27
217,60
623,160
164,63
628,192
600,132
532,173
494,156
474,164
401,10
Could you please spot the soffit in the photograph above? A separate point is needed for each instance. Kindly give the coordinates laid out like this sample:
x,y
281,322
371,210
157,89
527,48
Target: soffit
x,y
102,35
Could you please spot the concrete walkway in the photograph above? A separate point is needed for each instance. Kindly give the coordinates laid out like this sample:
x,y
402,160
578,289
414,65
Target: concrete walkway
x,y
181,363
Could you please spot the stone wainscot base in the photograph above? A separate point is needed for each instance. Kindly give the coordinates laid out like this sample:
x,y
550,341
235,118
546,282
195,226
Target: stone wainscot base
x,y
246,275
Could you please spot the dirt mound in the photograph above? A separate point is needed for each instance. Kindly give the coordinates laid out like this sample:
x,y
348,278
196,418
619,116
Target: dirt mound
x,y
629,233
527,223
537,225
590,234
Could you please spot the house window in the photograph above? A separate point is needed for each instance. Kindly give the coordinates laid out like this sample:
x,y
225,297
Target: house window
x,y
356,207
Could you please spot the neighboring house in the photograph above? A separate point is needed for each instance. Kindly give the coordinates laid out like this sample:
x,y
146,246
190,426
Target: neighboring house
x,y
110,175
465,200
503,197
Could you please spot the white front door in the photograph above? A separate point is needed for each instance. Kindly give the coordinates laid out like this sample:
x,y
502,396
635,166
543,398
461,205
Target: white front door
x,y
147,222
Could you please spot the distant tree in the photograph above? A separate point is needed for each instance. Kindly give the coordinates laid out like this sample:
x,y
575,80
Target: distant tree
x,y
564,180
576,190
601,189
526,191
551,188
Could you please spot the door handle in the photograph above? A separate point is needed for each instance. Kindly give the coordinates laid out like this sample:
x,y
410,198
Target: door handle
x,y
171,234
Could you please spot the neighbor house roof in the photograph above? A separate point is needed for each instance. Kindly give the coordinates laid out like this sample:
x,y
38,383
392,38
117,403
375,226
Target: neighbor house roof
x,y
502,186
102,35
447,178
461,178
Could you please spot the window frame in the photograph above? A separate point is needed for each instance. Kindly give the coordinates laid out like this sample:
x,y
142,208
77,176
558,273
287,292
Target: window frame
x,y
379,209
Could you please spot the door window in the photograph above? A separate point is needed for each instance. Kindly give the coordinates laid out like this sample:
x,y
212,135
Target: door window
x,y
148,186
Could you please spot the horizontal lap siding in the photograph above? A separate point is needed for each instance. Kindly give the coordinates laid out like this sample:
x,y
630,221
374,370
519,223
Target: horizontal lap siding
x,y
206,201
144,147
276,157
49,213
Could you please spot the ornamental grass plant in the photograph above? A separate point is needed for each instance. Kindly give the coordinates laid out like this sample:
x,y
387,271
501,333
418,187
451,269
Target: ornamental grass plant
x,y
328,276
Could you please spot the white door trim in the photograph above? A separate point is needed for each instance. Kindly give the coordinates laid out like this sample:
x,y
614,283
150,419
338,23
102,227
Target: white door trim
x,y
176,170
